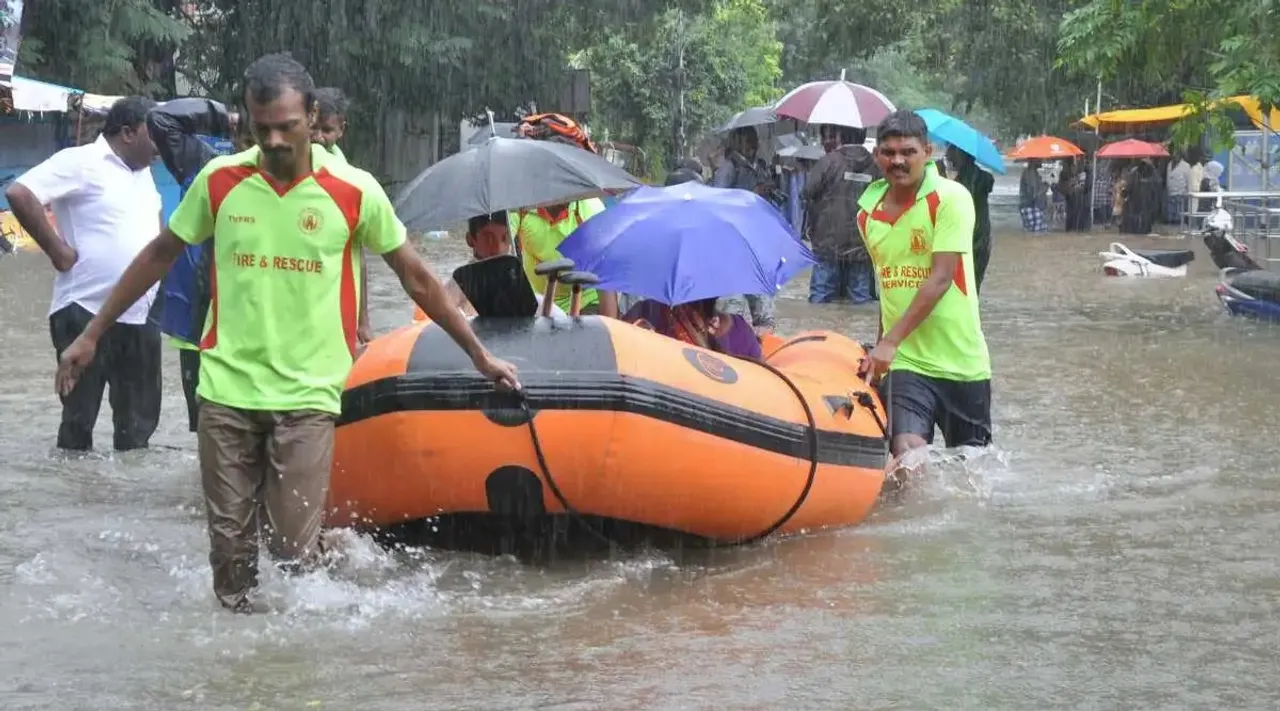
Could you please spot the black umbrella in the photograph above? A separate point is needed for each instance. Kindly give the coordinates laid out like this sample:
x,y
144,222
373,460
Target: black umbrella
x,y
506,174
756,116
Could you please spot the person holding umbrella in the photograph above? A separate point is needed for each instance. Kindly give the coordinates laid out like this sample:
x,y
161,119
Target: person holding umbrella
x,y
979,183
743,169
540,231
831,193
683,246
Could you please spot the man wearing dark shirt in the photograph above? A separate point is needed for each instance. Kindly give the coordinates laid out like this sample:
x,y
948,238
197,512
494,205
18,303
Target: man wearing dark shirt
x,y
979,183
175,128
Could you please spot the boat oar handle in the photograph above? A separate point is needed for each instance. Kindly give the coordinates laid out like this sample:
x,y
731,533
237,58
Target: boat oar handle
x,y
552,271
578,280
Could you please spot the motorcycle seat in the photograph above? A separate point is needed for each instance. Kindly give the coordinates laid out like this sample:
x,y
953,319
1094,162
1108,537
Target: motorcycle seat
x,y
1168,258
1262,285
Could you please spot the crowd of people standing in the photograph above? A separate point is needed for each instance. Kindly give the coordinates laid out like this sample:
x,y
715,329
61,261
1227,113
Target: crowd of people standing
x,y
1132,195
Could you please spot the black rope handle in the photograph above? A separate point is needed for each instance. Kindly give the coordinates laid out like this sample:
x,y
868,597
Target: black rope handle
x,y
601,536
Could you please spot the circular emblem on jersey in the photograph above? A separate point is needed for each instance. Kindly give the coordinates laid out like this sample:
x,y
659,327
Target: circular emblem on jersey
x,y
310,221
711,366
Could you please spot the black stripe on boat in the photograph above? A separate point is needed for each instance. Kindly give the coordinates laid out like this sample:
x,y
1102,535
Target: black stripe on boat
x,y
574,367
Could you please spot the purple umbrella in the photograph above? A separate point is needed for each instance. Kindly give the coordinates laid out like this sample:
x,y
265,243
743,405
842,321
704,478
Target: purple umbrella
x,y
688,242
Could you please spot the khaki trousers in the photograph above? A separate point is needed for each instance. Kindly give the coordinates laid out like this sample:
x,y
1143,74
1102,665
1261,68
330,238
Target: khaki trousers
x,y
267,470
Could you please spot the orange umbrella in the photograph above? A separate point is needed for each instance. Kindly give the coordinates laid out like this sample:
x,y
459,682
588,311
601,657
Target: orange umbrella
x,y
1045,148
1133,148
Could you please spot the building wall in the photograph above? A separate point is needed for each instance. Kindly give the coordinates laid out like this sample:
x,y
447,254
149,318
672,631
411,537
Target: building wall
x,y
406,145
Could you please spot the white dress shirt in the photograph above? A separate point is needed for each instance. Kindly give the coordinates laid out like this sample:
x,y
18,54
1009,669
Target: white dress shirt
x,y
107,212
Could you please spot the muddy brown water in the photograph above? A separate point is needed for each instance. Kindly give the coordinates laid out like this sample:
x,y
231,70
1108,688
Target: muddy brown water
x,y
1116,550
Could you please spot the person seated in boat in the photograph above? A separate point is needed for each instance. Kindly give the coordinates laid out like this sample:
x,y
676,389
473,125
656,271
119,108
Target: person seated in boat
x,y
488,236
698,323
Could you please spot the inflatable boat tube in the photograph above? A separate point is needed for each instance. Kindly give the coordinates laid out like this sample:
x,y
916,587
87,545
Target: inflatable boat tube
x,y
615,422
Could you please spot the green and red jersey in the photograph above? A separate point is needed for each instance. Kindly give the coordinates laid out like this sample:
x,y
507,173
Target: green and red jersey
x,y
949,343
281,329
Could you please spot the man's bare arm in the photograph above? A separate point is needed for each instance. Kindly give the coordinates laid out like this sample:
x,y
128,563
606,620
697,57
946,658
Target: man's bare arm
x,y
143,272
31,215
430,295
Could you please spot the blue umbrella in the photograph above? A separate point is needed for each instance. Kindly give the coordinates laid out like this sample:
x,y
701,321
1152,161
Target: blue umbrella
x,y
688,242
952,131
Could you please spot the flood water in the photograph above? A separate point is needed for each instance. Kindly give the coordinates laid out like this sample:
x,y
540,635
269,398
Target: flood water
x,y
1116,550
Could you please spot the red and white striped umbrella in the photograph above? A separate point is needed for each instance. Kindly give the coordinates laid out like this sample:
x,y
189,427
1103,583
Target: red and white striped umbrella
x,y
840,103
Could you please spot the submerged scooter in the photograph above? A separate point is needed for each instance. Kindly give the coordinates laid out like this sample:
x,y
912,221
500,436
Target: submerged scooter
x,y
1246,288
1120,260
1228,253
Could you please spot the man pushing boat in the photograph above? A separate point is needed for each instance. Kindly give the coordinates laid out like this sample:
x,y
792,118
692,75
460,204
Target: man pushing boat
x,y
281,331
931,352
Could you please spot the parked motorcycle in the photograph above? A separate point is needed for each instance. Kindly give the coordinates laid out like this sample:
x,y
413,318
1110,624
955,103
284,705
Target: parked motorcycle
x,y
1246,288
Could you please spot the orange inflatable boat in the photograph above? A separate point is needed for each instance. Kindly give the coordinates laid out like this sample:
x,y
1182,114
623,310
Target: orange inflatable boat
x,y
615,422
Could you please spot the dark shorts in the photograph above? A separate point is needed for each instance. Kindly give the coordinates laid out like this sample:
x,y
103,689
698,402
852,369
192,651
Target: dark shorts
x,y
917,403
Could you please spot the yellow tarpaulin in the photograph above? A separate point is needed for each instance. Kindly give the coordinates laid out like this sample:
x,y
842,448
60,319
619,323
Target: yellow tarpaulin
x,y
1125,119
18,237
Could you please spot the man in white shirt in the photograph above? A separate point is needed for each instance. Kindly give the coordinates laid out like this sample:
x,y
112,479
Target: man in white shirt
x,y
107,209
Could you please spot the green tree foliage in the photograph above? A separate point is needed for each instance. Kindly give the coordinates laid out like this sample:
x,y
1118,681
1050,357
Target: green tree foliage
x,y
1198,51
103,46
424,57
663,83
892,71
820,37
966,55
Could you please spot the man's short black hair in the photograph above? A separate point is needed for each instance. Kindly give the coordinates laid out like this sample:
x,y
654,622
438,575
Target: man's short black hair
x,y
129,112
479,222
271,74
331,101
902,124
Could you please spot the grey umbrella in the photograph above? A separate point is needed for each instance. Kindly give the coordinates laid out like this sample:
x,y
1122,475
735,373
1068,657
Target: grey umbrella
x,y
755,116
487,131
506,174
803,151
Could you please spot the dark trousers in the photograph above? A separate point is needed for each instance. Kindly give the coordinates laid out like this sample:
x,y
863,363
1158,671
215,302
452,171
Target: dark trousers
x,y
127,362
833,279
189,371
981,258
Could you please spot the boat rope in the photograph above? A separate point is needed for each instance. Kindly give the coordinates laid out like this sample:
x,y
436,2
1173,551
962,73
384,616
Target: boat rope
x,y
869,403
813,462
551,481
791,512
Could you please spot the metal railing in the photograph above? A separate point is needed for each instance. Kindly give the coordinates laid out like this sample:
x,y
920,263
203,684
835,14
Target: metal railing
x,y
1255,220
